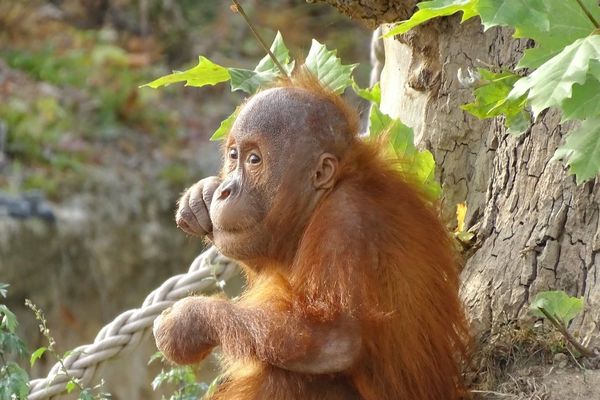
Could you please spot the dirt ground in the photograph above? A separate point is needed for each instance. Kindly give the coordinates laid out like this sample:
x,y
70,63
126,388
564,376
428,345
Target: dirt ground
x,y
548,383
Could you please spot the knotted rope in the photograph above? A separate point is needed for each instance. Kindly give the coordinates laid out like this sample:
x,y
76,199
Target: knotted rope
x,y
126,331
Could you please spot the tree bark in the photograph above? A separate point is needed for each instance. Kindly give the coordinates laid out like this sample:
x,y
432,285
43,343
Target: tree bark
x,y
373,12
536,229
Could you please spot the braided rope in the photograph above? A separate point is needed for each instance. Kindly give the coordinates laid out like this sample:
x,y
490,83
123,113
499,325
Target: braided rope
x,y
126,331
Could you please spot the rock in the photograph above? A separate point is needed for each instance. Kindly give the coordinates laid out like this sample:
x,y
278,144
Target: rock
x,y
561,360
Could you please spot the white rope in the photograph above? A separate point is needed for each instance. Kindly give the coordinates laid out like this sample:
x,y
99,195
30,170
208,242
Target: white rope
x,y
126,331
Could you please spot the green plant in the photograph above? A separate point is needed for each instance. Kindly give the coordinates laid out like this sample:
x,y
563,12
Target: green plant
x,y
565,63
13,378
560,309
185,380
85,393
329,70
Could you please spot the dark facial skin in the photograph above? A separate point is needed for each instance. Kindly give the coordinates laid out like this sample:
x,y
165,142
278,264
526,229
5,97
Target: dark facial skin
x,y
275,167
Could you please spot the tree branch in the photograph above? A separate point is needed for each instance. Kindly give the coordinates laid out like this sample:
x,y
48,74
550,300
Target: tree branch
x,y
240,10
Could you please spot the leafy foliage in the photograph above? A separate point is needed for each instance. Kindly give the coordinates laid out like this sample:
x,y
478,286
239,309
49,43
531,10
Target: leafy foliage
x,y
585,99
491,100
205,73
557,304
553,24
183,378
13,381
582,150
434,9
266,72
36,355
552,82
73,384
371,94
67,99
566,59
225,126
13,378
329,70
420,165
4,289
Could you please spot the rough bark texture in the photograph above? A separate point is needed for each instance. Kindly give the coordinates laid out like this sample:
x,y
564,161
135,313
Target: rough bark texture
x,y
536,230
373,12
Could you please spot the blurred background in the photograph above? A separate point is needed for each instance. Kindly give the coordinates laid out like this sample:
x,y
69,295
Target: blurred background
x,y
91,165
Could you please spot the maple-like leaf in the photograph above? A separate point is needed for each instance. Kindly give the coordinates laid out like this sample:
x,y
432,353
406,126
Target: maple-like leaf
x,y
552,83
266,71
225,126
491,100
327,67
558,304
417,164
581,150
205,73
552,24
433,9
585,98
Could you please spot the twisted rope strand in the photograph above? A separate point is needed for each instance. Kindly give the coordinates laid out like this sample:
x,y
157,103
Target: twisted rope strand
x,y
127,330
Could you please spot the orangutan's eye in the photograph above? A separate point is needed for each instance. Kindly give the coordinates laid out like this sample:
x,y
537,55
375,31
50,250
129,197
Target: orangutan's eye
x,y
254,159
233,154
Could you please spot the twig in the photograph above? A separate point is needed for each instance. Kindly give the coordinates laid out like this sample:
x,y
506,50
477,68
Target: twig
x,y
584,351
240,10
41,318
574,358
588,14
499,394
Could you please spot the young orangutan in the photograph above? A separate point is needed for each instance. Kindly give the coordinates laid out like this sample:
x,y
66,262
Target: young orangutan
x,y
352,282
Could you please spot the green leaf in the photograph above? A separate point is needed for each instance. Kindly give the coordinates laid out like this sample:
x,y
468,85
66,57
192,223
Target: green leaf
x,y
491,101
371,94
156,356
558,304
225,126
328,68
212,388
433,9
581,150
13,381
266,72
37,355
159,380
70,386
527,16
11,343
418,164
281,53
250,81
585,100
9,320
4,289
86,394
552,24
552,83
205,73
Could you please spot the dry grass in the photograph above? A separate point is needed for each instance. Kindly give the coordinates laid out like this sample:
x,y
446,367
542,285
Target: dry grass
x,y
506,364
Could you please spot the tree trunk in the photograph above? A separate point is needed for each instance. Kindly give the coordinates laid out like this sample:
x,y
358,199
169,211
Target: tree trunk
x,y
536,229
